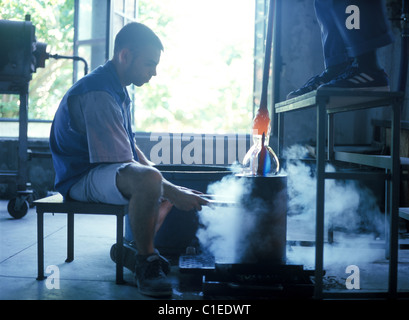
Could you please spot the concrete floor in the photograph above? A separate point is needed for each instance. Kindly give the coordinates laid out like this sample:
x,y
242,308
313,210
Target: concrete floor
x,y
92,273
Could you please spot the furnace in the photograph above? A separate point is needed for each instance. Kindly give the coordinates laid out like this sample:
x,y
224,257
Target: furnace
x,y
257,266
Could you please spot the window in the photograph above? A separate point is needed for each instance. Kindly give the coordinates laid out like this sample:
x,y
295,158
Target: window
x,y
91,34
123,12
209,78
205,77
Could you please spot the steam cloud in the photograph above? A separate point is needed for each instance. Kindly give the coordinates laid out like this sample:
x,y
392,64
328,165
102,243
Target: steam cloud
x,y
224,228
348,207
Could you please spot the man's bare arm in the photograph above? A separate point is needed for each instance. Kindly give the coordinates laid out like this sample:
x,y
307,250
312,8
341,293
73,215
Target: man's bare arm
x,y
183,198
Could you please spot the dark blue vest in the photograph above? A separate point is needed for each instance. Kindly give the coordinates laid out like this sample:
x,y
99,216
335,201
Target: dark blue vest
x,y
69,148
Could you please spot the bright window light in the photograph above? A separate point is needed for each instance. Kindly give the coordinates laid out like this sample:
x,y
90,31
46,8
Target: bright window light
x,y
204,81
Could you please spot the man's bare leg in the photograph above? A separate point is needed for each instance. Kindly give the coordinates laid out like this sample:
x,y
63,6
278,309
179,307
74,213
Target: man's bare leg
x,y
164,209
142,185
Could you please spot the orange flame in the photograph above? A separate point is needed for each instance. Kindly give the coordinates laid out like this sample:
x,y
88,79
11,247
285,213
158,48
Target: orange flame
x,y
261,122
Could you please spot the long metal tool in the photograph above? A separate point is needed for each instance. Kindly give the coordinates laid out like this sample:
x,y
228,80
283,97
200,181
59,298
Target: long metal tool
x,y
267,56
404,60
220,201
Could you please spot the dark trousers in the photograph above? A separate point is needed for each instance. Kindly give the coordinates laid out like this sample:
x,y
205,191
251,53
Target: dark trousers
x,y
340,44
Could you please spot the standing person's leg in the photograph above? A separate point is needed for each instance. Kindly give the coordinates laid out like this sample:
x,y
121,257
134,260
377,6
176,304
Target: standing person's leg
x,y
334,49
336,59
372,32
362,42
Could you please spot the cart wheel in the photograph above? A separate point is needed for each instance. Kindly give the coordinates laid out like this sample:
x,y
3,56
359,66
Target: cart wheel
x,y
17,208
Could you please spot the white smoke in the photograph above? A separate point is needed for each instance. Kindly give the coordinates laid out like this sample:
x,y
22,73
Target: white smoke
x,y
348,207
342,199
223,228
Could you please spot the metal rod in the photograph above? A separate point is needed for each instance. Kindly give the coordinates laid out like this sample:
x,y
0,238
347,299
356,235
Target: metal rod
x,y
75,58
319,228
331,139
120,248
267,56
40,245
220,201
403,69
70,237
22,178
215,203
213,196
394,201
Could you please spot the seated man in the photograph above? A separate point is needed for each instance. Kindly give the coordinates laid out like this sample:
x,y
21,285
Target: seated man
x,y
96,159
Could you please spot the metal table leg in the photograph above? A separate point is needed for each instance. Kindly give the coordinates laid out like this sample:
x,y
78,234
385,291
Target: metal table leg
x,y
280,121
319,235
40,245
120,251
70,237
394,199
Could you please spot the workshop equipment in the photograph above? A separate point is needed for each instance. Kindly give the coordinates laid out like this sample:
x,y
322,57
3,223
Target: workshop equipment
x,y
262,270
20,56
261,159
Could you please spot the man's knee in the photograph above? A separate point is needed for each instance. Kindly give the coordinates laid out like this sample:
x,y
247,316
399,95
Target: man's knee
x,y
150,178
139,179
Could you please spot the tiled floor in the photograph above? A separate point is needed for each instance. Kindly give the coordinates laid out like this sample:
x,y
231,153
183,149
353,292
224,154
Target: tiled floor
x,y
92,273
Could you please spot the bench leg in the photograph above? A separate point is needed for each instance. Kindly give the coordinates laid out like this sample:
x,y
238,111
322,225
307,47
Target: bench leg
x,y
70,237
120,251
40,246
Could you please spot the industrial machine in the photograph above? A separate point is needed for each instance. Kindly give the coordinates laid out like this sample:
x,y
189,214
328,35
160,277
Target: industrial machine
x,y
20,56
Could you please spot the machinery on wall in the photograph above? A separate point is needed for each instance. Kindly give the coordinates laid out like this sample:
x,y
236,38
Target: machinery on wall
x,y
20,56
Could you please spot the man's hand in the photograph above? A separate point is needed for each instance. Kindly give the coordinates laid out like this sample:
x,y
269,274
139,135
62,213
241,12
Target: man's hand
x,y
183,198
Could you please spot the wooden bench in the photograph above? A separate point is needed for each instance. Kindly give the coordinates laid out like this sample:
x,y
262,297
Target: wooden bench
x,y
56,204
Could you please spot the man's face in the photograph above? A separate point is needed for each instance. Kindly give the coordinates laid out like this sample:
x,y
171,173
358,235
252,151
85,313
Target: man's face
x,y
143,65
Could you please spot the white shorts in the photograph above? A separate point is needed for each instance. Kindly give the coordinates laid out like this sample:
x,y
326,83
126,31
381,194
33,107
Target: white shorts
x,y
99,185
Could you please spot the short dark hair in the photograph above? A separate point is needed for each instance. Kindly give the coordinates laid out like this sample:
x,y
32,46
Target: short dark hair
x,y
136,35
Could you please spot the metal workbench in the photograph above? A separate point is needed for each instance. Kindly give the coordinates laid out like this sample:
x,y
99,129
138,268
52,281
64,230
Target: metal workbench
x,y
328,102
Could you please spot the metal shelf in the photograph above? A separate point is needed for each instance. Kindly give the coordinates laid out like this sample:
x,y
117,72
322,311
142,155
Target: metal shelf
x,y
327,102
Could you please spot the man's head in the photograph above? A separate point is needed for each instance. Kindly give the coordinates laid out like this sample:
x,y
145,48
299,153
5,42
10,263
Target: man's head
x,y
136,54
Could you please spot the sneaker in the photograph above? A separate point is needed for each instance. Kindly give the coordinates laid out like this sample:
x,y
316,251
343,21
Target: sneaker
x,y
356,79
150,278
129,257
313,84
